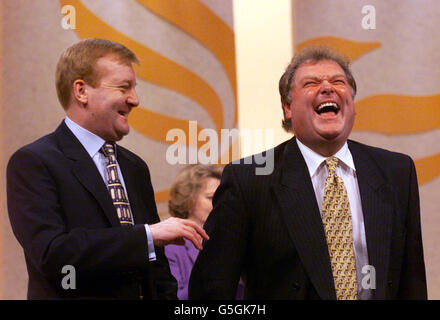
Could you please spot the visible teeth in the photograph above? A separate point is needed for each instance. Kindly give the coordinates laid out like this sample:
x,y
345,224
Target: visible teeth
x,y
327,104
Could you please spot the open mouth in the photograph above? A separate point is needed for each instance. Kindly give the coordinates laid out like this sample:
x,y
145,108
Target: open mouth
x,y
122,113
327,107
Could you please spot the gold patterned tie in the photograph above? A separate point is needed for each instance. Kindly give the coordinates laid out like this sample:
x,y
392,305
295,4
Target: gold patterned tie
x,y
336,217
117,192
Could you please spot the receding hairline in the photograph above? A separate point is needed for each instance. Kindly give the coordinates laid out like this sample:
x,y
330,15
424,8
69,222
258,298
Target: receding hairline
x,y
98,68
78,62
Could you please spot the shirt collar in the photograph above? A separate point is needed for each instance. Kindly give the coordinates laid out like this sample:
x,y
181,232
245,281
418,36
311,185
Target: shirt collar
x,y
90,141
314,159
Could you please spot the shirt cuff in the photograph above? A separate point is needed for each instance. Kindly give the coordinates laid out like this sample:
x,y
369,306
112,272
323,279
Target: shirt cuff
x,y
151,252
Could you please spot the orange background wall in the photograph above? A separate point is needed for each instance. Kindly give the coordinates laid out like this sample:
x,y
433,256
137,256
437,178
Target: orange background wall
x,y
398,79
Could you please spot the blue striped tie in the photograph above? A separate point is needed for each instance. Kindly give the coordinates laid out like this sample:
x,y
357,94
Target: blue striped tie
x,y
117,192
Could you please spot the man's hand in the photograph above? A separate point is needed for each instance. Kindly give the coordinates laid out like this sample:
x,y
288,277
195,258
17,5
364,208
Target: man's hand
x,y
174,230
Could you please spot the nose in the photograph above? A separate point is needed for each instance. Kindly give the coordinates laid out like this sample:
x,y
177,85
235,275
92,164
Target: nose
x,y
326,87
132,98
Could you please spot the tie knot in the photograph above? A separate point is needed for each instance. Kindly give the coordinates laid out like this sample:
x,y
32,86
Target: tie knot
x,y
331,163
108,149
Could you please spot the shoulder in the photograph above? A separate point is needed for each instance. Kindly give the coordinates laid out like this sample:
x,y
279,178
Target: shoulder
x,y
379,155
44,147
249,178
395,167
261,164
50,146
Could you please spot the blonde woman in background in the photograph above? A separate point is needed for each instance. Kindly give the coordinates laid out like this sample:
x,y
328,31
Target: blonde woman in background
x,y
190,198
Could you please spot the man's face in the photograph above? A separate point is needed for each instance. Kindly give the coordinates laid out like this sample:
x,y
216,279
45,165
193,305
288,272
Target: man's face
x,y
322,108
110,102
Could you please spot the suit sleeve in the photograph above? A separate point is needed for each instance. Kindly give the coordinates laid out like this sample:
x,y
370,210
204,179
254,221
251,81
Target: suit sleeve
x,y
413,278
39,223
218,267
164,284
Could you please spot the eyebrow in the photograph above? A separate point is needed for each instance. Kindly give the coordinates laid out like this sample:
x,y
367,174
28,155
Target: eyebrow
x,y
121,83
129,82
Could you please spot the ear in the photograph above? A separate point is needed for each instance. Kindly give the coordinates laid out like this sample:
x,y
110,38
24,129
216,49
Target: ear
x,y
80,91
287,111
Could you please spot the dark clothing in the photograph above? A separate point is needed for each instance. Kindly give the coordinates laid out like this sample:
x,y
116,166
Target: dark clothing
x,y
268,229
62,214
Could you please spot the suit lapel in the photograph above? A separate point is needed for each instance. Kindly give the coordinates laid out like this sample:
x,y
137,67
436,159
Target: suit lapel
x,y
301,215
377,199
86,172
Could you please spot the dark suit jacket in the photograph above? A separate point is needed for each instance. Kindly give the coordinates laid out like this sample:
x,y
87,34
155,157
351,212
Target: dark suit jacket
x,y
62,214
268,228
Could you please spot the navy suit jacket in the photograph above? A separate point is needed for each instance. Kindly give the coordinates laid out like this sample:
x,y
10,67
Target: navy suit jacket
x,y
62,214
268,229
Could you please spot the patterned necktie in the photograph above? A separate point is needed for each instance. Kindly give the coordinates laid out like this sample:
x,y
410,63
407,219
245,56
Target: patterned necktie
x,y
336,217
117,192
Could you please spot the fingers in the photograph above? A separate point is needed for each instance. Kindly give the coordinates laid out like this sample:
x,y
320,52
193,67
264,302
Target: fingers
x,y
179,241
191,234
198,229
174,230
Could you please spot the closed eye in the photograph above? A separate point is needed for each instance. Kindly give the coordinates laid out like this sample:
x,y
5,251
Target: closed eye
x,y
310,83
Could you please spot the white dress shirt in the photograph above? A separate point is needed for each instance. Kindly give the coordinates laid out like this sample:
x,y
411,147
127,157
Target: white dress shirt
x,y
92,143
347,172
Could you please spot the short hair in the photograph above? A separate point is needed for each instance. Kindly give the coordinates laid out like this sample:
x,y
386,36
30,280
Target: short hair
x,y
78,62
187,184
310,55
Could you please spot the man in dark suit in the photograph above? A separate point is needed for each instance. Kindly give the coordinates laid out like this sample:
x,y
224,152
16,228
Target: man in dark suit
x,y
82,207
288,233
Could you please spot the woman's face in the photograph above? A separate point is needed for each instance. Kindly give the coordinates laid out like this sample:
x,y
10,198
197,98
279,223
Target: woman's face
x,y
203,201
